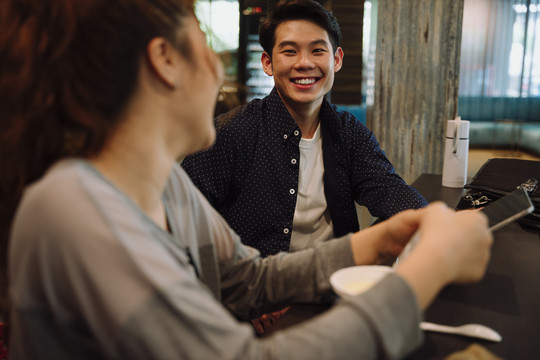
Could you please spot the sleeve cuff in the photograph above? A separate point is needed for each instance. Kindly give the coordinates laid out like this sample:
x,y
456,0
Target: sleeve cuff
x,y
394,314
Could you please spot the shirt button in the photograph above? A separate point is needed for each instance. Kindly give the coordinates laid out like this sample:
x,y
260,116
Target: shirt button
x,y
296,132
291,191
293,161
285,231
285,136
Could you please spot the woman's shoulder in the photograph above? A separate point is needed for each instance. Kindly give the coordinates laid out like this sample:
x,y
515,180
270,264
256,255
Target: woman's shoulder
x,y
70,199
58,186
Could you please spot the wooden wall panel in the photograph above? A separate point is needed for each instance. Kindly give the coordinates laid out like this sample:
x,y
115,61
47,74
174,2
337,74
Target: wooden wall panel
x,y
348,83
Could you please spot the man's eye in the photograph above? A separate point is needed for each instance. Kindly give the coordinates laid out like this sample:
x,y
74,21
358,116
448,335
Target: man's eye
x,y
319,50
288,51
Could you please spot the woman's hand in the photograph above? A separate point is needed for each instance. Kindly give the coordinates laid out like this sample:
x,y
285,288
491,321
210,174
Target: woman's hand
x,y
454,247
461,240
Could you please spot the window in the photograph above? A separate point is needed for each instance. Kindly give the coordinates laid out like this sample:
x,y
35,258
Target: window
x,y
219,20
368,51
500,49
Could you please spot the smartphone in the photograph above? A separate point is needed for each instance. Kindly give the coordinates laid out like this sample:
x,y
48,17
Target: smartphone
x,y
508,208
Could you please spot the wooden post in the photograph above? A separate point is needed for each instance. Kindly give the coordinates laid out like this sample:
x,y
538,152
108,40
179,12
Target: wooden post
x,y
416,81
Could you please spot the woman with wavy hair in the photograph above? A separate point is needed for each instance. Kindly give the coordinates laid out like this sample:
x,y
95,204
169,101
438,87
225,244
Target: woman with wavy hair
x,y
113,253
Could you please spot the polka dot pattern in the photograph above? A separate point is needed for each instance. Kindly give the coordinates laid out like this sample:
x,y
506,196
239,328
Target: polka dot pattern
x,y
250,177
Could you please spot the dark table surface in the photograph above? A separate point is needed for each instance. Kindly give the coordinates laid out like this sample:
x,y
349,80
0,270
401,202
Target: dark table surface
x,y
507,299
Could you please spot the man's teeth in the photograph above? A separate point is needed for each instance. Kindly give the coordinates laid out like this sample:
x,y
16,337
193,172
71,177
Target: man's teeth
x,y
304,81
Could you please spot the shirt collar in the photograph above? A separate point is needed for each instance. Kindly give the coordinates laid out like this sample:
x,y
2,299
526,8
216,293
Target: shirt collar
x,y
279,116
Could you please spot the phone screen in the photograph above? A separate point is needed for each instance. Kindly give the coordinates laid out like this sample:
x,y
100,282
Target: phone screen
x,y
508,208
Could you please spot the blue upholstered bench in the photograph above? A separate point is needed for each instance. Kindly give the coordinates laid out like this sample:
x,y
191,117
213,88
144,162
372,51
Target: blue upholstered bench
x,y
495,122
503,122
359,111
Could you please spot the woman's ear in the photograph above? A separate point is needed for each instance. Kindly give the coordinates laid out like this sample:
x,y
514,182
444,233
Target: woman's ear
x,y
165,61
266,61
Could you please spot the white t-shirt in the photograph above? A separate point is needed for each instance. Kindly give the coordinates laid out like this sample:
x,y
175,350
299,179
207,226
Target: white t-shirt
x,y
312,223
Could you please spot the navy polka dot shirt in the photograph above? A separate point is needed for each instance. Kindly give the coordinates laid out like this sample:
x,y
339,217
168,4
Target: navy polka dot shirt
x,y
250,175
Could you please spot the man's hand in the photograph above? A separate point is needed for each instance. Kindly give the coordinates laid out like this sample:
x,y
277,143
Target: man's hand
x,y
385,239
263,323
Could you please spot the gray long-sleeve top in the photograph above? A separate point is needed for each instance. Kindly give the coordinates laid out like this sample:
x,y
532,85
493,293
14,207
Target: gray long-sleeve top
x,y
93,277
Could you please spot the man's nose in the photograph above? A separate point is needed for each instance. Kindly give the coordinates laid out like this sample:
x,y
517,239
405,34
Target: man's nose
x,y
304,61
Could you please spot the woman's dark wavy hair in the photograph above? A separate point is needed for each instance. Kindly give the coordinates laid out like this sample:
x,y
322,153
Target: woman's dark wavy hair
x,y
309,10
67,69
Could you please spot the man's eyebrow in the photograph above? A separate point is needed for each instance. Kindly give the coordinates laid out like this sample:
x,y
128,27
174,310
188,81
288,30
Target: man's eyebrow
x,y
294,43
286,43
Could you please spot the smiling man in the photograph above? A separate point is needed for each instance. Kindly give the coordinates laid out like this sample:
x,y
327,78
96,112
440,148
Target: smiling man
x,y
286,170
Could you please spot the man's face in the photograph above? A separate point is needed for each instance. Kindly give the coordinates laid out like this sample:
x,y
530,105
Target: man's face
x,y
303,63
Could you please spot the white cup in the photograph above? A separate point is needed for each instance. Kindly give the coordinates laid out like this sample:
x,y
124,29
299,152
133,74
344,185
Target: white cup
x,y
354,280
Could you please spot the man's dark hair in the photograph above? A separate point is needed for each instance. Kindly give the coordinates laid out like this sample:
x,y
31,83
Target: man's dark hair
x,y
309,10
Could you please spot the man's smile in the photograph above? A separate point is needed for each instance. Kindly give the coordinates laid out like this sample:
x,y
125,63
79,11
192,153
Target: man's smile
x,y
305,81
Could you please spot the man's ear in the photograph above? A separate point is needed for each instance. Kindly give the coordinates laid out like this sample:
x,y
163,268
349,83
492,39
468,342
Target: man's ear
x,y
164,60
266,61
338,59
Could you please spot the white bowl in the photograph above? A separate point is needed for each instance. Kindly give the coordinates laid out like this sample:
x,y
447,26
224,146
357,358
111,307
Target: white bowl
x,y
354,280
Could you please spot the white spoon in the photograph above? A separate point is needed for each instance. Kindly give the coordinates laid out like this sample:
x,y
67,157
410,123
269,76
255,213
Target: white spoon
x,y
472,330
